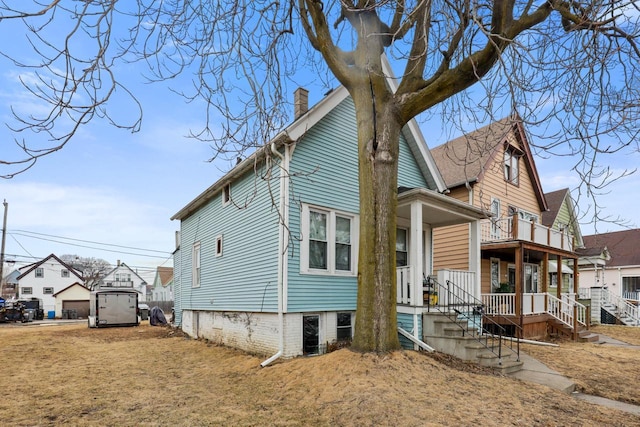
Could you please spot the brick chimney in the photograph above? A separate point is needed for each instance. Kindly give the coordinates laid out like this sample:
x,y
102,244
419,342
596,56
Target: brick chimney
x,y
300,102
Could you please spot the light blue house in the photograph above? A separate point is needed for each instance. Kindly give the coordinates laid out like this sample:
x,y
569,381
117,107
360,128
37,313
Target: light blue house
x,y
267,258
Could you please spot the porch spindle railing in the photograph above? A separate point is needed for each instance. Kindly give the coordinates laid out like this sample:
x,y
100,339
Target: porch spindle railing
x,y
403,284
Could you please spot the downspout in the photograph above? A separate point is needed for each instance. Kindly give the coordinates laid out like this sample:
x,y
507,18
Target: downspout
x,y
282,229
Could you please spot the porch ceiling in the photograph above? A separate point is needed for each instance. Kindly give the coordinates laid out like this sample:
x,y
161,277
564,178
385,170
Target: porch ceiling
x,y
438,210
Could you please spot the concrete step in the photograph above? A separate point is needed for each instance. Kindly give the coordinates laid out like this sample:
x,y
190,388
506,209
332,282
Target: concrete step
x,y
505,365
457,331
590,337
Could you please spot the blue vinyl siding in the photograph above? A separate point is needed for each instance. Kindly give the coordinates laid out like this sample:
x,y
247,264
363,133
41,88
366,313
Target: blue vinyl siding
x,y
325,170
244,278
405,321
177,288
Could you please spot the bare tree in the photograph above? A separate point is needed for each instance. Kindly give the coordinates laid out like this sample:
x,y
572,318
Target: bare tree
x,y
571,65
92,269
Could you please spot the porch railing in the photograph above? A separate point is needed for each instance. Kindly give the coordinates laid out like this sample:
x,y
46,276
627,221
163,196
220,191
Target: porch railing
x,y
403,285
567,309
466,280
625,310
514,228
632,296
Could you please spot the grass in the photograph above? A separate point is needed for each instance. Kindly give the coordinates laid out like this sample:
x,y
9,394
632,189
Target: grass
x,y
607,371
72,375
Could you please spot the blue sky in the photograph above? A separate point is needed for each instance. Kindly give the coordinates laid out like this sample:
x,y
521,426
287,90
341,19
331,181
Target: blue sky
x,y
114,191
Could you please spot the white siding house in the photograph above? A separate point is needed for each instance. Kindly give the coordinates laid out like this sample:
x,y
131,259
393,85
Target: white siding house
x,y
45,278
122,276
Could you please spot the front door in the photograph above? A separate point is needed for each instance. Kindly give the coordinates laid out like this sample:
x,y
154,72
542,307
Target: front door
x,y
530,278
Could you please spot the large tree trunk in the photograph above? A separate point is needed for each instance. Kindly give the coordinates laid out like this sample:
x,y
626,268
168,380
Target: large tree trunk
x,y
378,142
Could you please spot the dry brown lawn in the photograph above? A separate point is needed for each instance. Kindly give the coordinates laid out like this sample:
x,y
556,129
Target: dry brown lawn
x,y
72,375
602,370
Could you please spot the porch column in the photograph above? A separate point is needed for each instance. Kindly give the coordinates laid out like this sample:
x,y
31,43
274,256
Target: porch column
x,y
576,276
519,280
416,250
545,278
474,255
560,278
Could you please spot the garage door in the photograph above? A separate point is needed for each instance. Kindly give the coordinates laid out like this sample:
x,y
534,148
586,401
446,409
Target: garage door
x,y
81,307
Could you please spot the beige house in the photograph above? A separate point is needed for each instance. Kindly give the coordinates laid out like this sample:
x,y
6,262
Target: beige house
x,y
493,169
72,299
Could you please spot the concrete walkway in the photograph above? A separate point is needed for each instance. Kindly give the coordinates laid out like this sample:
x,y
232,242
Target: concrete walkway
x,y
537,372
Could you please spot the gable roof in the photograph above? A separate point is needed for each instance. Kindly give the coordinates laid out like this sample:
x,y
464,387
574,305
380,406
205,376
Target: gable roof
x,y
294,132
623,247
554,203
165,274
465,159
122,264
29,268
71,286
555,200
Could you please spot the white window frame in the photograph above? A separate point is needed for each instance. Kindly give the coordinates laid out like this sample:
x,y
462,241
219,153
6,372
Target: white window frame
x,y
226,194
331,241
44,290
219,243
511,166
196,265
350,327
39,272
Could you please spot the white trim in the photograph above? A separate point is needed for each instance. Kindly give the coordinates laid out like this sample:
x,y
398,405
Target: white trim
x,y
331,229
196,249
219,243
226,194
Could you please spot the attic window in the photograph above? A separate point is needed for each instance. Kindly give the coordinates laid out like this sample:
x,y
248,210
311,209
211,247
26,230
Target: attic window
x,y
226,195
64,273
39,272
511,165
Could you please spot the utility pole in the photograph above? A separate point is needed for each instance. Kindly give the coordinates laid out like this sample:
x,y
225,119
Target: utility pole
x,y
4,238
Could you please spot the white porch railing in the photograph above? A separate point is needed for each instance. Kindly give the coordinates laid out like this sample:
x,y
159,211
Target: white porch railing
x,y
625,310
403,284
499,304
584,293
633,296
565,309
513,228
464,280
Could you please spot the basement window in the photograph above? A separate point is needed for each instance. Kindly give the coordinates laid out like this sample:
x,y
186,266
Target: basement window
x,y
344,327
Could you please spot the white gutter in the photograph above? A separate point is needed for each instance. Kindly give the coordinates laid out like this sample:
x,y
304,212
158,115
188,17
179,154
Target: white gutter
x,y
283,226
416,341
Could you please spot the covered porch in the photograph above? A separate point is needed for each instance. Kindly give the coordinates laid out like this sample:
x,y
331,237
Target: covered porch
x,y
533,284
419,212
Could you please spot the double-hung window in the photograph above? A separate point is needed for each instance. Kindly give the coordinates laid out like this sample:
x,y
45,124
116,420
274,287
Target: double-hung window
x,y
39,272
511,165
329,238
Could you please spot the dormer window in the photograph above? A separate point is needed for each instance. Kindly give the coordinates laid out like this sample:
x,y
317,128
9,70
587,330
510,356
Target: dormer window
x,y
511,165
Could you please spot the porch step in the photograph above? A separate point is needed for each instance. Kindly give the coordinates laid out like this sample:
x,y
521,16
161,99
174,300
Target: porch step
x,y
505,366
588,336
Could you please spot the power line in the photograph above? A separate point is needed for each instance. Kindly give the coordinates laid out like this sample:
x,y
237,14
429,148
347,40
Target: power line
x,y
83,241
93,247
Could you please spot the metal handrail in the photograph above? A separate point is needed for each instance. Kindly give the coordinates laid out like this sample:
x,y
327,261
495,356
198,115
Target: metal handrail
x,y
460,302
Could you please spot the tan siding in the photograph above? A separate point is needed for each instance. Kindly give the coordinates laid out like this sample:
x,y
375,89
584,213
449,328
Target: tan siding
x,y
493,185
451,247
